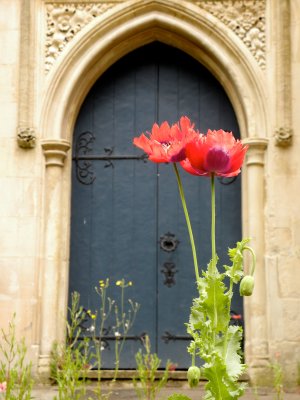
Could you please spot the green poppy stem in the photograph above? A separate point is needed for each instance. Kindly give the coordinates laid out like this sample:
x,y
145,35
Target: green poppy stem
x,y
188,222
213,264
253,259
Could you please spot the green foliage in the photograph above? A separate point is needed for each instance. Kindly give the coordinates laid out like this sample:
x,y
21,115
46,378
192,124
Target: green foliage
x,y
235,272
214,339
177,396
277,379
70,361
193,376
146,384
123,314
14,370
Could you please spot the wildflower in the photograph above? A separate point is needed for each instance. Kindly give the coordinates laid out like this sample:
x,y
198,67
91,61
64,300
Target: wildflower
x,y
117,334
119,283
167,143
91,315
3,386
172,367
102,283
130,283
91,328
216,153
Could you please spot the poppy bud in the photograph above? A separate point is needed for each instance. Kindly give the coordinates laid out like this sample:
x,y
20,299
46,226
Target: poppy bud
x,y
247,285
193,376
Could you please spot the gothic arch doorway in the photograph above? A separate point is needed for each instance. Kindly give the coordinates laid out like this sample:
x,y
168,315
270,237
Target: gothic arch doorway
x,y
123,208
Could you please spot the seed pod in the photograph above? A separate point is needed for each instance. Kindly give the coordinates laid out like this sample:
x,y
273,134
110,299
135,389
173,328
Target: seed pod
x,y
193,376
247,285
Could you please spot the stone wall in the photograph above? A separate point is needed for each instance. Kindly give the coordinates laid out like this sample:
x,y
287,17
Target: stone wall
x,y
253,48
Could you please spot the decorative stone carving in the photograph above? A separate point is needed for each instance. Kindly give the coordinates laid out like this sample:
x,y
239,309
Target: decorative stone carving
x,y
65,20
26,138
246,18
283,136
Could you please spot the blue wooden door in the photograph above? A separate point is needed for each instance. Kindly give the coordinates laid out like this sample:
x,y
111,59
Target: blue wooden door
x,y
127,219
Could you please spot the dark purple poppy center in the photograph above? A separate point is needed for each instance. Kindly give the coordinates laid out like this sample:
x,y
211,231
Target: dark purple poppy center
x,y
217,160
180,156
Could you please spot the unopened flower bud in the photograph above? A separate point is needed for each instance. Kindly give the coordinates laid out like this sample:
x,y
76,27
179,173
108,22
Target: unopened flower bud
x,y
193,376
247,285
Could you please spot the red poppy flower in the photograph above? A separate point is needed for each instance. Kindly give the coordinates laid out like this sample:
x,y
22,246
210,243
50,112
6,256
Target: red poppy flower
x,y
167,143
217,153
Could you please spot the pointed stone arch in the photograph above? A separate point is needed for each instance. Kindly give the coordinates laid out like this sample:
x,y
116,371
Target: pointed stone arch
x,y
95,48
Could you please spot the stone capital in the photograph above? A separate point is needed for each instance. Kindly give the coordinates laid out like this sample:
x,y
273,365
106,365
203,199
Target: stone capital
x,y
256,151
55,151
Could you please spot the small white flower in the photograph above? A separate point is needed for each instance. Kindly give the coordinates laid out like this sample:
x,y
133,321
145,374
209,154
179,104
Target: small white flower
x,y
117,334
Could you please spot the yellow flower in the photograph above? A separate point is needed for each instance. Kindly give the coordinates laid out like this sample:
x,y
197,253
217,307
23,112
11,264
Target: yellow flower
x,y
93,316
119,283
130,283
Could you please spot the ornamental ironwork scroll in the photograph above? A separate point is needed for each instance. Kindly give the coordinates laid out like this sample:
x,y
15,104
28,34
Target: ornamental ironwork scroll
x,y
83,165
84,159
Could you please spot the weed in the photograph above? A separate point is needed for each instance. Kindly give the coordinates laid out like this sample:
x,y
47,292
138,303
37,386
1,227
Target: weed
x,y
15,373
146,384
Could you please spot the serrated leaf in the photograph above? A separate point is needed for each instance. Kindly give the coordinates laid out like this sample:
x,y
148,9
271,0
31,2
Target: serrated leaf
x,y
220,386
216,302
236,271
177,396
232,357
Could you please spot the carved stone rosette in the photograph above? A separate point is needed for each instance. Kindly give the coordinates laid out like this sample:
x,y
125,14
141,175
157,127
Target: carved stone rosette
x,y
283,136
246,18
64,21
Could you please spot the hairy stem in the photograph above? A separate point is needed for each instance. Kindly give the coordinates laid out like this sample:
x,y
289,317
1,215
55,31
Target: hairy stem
x,y
188,221
225,343
213,265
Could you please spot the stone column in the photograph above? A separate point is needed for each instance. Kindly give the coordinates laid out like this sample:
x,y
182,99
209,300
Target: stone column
x,y
280,20
256,327
26,132
55,152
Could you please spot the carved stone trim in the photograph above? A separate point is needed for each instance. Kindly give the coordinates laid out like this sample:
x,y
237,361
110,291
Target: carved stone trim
x,y
246,18
64,21
26,138
55,152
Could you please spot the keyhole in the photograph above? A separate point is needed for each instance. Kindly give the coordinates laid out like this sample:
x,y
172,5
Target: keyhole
x,y
168,242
